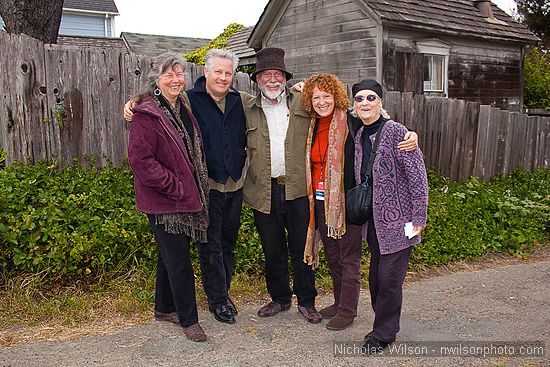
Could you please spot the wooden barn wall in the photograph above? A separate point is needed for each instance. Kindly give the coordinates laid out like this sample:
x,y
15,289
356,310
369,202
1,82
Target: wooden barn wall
x,y
489,73
486,72
327,36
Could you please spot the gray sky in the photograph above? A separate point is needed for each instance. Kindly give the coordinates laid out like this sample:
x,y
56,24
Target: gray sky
x,y
198,18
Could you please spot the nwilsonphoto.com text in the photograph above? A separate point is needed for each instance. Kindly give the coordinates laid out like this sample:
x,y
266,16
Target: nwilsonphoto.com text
x,y
478,349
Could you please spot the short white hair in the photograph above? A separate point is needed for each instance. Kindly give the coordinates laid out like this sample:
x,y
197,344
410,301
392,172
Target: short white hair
x,y
222,54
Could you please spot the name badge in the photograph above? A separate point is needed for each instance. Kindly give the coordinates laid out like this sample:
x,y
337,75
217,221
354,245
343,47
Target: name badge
x,y
320,191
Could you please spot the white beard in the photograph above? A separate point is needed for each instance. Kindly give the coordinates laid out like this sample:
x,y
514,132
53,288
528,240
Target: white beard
x,y
271,95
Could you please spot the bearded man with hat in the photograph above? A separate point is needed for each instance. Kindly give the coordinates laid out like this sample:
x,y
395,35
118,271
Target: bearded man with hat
x,y
275,184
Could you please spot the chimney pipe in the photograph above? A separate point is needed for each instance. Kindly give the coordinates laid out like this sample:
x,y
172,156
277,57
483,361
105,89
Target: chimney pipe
x,y
484,7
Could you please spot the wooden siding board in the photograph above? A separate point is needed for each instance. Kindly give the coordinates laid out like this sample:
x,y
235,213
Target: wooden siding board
x,y
316,12
546,144
344,39
469,133
530,155
24,104
503,138
68,77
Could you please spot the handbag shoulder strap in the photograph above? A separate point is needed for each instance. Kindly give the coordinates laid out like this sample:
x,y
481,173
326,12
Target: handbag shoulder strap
x,y
374,149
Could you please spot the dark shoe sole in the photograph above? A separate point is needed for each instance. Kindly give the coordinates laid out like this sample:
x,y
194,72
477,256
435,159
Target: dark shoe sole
x,y
339,328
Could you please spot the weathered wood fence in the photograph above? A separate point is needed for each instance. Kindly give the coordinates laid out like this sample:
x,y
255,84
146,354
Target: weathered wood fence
x,y
462,139
65,103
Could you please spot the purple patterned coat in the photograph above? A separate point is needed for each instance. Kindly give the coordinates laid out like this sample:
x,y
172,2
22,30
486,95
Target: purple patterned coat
x,y
400,190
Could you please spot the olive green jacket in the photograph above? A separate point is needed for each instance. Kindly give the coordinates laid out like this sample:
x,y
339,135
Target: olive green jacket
x,y
257,184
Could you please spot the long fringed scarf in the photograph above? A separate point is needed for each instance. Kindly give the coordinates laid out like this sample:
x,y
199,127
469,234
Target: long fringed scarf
x,y
335,208
195,224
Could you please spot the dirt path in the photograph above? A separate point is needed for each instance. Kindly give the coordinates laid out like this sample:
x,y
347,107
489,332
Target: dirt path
x,y
508,303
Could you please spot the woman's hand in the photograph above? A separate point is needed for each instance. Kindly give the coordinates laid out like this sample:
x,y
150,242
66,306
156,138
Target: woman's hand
x,y
409,143
417,229
128,110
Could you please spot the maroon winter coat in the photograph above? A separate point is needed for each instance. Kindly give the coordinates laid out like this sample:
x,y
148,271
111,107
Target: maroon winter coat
x,y
163,174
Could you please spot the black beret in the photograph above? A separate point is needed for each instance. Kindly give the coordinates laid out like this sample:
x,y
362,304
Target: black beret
x,y
369,84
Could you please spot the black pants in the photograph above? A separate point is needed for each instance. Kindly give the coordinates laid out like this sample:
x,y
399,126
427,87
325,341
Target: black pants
x,y
175,289
217,256
386,276
291,216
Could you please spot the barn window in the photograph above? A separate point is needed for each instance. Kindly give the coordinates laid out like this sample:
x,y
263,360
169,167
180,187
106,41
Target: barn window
x,y
435,62
434,66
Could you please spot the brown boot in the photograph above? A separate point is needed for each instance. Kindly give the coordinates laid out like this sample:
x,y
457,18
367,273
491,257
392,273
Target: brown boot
x,y
195,333
329,312
339,322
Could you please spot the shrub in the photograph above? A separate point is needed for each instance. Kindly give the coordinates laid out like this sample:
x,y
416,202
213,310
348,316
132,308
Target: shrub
x,y
198,56
81,224
70,223
537,79
509,214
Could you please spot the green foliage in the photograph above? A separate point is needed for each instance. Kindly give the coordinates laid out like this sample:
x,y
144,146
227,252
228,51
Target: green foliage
x,y
537,79
81,224
3,155
71,223
509,214
535,14
197,56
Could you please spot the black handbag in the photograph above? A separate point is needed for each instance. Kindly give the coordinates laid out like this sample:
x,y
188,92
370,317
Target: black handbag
x,y
359,198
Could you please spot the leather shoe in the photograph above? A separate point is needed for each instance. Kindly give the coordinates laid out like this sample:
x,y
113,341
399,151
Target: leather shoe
x,y
222,314
273,308
311,314
231,306
373,345
170,317
195,332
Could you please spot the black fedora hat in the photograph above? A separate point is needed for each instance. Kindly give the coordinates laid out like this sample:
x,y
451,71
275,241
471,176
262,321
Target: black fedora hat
x,y
270,58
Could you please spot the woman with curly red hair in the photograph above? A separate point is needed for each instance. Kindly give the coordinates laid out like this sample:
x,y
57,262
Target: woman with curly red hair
x,y
325,98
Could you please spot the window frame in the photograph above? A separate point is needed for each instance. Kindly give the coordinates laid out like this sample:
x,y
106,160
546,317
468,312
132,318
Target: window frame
x,y
436,48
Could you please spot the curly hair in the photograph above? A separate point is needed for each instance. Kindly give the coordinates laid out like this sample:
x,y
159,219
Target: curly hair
x,y
328,83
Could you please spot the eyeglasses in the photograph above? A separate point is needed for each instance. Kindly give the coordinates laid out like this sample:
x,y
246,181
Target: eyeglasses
x,y
370,98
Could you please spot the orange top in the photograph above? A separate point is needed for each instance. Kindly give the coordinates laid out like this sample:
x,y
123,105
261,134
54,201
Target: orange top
x,y
319,150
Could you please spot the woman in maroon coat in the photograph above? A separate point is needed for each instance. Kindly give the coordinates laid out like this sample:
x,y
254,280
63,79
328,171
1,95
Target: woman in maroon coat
x,y
171,184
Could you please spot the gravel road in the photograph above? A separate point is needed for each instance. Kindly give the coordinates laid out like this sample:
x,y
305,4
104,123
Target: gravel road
x,y
506,304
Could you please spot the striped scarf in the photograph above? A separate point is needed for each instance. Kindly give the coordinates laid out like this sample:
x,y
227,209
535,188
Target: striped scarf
x,y
335,208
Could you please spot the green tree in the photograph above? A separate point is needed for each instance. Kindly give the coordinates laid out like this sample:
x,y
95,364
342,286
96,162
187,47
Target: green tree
x,y
197,56
535,15
537,79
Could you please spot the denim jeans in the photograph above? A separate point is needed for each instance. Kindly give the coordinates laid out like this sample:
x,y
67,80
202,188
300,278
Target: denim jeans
x,y
217,256
175,288
292,217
